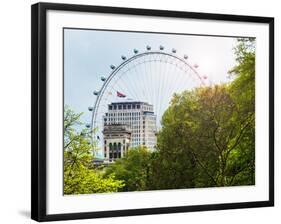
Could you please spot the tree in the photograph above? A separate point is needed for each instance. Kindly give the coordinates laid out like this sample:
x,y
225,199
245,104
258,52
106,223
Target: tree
x,y
133,169
203,140
242,90
208,134
79,175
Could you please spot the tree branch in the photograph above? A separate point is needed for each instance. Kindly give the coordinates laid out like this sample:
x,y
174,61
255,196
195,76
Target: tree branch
x,y
205,169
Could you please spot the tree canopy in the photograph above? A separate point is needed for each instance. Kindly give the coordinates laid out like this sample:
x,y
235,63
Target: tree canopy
x,y
80,177
208,134
133,169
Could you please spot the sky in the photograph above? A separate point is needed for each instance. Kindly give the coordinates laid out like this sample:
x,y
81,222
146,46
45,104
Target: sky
x,y
88,55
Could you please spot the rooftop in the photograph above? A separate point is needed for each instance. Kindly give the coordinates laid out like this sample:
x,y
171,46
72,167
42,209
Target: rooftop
x,y
130,102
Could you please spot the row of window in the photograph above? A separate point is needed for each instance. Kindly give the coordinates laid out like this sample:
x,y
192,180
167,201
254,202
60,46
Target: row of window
x,y
114,135
132,125
122,119
124,107
123,114
129,107
129,123
114,155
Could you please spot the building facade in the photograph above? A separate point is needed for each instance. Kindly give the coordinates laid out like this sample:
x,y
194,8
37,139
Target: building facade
x,y
138,117
117,139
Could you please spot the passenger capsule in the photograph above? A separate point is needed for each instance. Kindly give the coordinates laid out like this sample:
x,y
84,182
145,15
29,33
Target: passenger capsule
x,y
161,48
112,66
148,48
174,50
123,57
103,78
96,92
90,108
185,56
88,125
136,51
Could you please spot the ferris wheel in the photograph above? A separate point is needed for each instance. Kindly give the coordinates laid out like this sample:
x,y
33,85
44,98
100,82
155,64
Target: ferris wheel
x,y
151,76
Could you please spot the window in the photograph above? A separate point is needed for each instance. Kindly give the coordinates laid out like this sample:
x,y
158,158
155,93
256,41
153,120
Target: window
x,y
114,155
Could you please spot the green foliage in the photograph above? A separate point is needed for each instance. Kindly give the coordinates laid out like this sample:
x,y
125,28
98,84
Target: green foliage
x,y
133,169
208,134
204,141
243,87
80,177
242,90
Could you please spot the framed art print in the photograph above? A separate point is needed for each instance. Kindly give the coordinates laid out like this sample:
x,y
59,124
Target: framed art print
x,y
138,111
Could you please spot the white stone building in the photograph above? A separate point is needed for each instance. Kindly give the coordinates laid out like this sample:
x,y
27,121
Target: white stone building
x,y
117,139
138,117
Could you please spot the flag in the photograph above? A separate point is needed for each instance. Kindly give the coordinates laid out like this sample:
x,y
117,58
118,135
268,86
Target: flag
x,y
120,94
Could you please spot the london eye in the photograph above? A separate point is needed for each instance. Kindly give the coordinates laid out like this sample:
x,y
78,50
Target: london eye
x,y
151,75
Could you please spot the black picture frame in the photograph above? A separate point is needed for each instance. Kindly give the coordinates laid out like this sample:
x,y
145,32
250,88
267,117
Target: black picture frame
x,y
39,114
